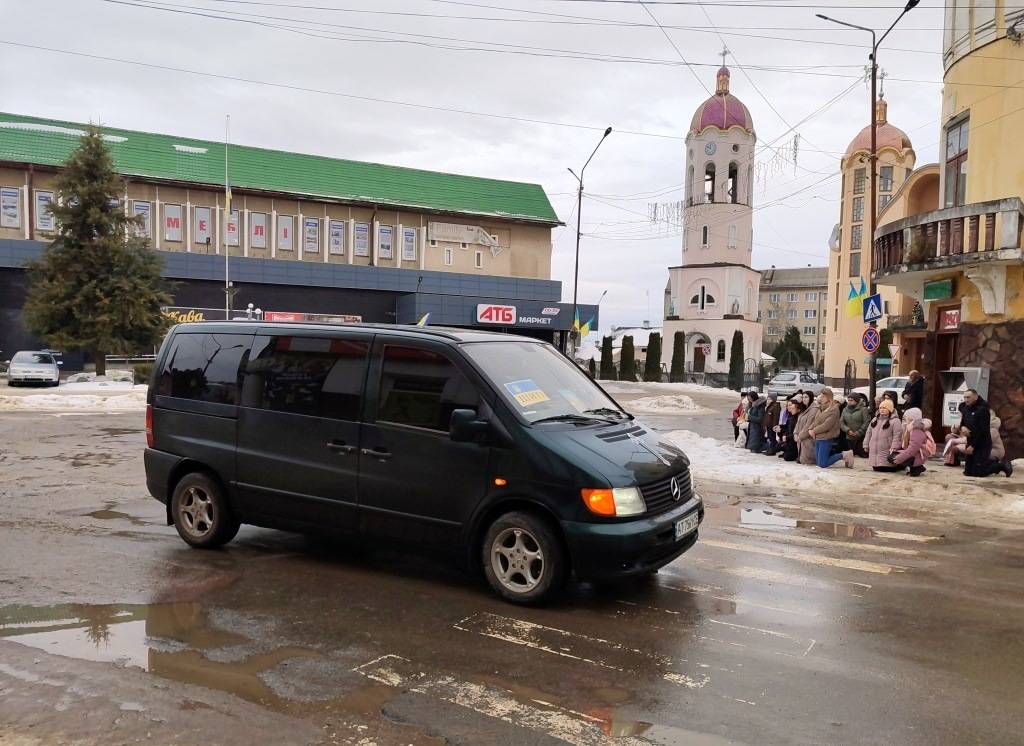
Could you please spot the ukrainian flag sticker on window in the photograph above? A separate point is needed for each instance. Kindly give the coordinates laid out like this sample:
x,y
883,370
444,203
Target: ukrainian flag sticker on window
x,y
526,392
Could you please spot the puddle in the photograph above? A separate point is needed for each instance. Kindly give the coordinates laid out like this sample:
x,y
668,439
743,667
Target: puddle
x,y
115,515
171,640
771,519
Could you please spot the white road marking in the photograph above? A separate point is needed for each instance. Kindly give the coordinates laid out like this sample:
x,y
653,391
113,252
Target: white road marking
x,y
769,576
811,541
835,511
566,644
897,536
813,559
570,726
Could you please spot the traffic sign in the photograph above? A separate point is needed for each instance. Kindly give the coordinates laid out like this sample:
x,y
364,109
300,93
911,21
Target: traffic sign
x,y
893,351
706,348
871,339
873,307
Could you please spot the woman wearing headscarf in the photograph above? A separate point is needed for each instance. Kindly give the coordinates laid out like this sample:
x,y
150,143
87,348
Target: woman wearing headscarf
x,y
805,441
790,445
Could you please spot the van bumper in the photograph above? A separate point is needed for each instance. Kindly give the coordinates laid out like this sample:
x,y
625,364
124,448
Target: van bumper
x,y
604,551
158,472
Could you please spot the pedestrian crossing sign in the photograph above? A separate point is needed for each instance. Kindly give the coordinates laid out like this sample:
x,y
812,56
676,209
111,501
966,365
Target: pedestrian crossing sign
x,y
873,308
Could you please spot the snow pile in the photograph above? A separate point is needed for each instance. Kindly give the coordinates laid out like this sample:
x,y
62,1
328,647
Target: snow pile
x,y
665,404
130,402
101,387
112,376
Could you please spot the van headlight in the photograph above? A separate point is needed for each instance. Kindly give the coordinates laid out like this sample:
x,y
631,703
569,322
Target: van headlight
x,y
618,501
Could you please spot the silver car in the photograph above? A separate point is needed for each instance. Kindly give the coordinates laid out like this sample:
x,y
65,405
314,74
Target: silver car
x,y
788,382
33,367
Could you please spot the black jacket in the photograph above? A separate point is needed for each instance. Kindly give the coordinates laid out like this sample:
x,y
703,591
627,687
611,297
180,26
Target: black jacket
x,y
978,419
913,394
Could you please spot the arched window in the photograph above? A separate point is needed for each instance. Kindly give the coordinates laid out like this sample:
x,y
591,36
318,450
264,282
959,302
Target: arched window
x,y
732,189
709,183
702,299
721,351
704,235
689,187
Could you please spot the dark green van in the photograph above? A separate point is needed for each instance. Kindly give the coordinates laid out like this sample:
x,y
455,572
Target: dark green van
x,y
492,446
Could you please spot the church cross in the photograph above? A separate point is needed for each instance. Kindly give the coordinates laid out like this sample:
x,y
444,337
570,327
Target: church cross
x,y
723,54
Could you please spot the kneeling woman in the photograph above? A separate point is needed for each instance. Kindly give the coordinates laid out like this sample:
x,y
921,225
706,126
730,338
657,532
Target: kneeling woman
x,y
884,436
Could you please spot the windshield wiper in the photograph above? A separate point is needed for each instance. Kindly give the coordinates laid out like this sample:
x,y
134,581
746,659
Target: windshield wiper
x,y
608,410
569,418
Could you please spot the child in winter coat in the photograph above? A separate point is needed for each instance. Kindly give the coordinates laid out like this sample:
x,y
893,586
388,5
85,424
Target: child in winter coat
x,y
917,449
884,436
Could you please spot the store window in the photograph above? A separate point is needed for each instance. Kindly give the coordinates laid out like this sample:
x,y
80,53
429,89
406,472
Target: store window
x,y
313,376
720,356
203,367
956,163
421,388
858,209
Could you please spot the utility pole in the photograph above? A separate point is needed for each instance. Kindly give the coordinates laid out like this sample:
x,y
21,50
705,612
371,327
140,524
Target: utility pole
x,y
575,332
227,220
873,163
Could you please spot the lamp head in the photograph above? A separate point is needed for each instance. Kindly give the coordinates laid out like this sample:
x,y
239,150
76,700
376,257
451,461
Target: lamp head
x,y
609,130
911,4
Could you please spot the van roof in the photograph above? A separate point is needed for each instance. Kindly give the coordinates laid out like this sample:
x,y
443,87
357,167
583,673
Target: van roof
x,y
453,334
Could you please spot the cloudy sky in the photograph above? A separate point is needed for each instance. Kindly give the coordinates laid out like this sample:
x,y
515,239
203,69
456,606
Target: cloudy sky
x,y
543,78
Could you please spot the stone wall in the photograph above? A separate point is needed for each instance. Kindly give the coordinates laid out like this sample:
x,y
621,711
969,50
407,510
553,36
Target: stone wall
x,y
1000,347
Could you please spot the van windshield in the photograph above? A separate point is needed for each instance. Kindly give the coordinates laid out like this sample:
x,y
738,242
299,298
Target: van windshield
x,y
540,383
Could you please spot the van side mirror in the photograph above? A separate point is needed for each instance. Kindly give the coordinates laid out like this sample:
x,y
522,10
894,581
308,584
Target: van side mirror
x,y
465,427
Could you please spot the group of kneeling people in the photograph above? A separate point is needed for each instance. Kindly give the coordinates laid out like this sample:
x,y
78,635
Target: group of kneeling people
x,y
821,431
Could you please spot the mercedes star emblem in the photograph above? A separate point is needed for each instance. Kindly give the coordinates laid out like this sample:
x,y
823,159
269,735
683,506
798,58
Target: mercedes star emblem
x,y
676,492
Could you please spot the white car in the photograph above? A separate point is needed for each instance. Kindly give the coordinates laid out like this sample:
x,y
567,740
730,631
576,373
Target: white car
x,y
892,383
788,382
33,367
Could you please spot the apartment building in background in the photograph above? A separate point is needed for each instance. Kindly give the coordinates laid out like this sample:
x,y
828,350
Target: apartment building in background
x,y
794,297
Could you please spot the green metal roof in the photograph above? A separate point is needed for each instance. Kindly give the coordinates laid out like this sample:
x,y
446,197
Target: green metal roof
x,y
48,142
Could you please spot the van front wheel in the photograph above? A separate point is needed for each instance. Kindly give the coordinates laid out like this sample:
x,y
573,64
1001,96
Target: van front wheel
x,y
201,513
523,558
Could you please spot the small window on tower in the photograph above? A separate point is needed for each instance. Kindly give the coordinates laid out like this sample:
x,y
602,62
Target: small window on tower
x,y
709,183
733,183
704,236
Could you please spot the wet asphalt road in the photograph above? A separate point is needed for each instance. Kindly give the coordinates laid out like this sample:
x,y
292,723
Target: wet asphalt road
x,y
858,624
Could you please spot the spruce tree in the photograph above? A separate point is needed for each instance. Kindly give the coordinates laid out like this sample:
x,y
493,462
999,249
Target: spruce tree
x,y
607,360
592,368
678,370
790,351
736,361
652,366
627,363
97,286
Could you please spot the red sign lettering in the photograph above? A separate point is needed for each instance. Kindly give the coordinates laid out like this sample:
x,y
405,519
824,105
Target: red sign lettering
x,y
174,223
257,230
489,314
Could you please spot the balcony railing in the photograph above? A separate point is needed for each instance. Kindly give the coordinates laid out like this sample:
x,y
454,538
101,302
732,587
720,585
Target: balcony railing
x,y
949,236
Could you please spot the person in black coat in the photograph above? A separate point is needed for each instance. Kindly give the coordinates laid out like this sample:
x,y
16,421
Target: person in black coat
x,y
755,418
790,446
913,392
772,413
977,421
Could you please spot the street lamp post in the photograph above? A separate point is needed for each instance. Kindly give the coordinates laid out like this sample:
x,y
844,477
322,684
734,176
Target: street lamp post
x,y
579,209
873,161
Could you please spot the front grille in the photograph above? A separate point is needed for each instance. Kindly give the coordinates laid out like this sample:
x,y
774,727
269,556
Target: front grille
x,y
658,495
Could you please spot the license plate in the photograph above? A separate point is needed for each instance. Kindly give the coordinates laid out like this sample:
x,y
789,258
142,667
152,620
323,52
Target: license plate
x,y
686,526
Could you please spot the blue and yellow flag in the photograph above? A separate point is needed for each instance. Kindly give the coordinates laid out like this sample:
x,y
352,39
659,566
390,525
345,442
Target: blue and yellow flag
x,y
854,307
424,320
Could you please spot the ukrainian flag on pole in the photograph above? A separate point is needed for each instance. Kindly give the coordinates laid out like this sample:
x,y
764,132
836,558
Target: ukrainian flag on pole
x,y
854,301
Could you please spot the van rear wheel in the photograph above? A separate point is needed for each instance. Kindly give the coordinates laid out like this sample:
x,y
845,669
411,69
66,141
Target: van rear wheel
x,y
523,558
201,513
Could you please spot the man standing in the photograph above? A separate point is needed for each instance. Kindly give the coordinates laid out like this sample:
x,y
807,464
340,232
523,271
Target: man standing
x,y
771,423
913,392
977,422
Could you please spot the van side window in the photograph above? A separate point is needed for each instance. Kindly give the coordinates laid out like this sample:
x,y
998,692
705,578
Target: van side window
x,y
315,376
203,367
421,388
